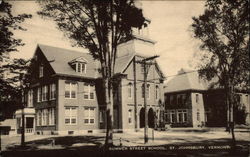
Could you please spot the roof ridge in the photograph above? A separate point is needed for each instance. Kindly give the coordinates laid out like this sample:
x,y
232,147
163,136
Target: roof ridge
x,y
63,49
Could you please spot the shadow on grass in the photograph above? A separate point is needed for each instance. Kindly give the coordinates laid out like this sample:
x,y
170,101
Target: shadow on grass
x,y
68,148
64,142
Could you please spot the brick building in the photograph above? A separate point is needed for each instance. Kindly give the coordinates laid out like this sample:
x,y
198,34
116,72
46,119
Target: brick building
x,y
191,102
66,94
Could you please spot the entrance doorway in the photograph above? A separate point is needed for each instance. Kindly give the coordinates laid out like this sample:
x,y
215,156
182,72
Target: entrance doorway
x,y
151,119
142,118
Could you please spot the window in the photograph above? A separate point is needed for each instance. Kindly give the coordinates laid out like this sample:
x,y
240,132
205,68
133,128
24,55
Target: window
x,y
171,100
172,115
157,92
89,115
142,90
130,116
70,115
44,93
130,90
30,98
44,117
198,115
38,118
247,100
197,98
39,94
91,93
102,113
70,90
81,67
181,99
88,91
41,71
52,116
148,91
241,99
52,91
181,116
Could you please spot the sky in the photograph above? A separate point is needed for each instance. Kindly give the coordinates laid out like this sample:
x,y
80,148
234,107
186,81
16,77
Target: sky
x,y
170,27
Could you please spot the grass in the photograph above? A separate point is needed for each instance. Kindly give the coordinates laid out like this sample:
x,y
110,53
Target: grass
x,y
79,146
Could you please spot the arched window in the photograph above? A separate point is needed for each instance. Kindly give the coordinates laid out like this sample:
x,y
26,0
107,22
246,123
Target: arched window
x,y
142,90
157,92
130,90
148,91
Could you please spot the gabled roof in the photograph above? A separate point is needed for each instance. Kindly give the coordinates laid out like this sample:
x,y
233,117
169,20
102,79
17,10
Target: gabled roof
x,y
186,80
123,62
60,58
79,59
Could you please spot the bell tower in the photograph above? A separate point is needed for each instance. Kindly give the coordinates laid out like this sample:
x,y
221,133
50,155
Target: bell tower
x,y
140,43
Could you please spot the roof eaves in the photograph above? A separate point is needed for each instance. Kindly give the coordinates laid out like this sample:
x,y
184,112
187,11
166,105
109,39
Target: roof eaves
x,y
76,76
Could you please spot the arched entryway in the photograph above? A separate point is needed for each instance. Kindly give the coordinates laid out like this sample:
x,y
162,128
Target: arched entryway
x,y
151,119
142,118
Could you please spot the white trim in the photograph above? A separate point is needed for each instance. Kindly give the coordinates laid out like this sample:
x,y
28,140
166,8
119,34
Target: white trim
x,y
88,117
52,93
45,92
130,90
182,112
39,94
88,91
70,90
171,112
70,116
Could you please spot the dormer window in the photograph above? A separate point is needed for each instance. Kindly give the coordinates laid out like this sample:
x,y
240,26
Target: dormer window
x,y
79,65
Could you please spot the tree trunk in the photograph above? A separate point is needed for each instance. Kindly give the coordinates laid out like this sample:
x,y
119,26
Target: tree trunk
x,y
230,94
109,113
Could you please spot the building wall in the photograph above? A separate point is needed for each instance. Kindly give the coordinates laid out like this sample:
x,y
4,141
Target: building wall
x,y
80,103
198,113
122,104
210,105
245,103
173,107
128,103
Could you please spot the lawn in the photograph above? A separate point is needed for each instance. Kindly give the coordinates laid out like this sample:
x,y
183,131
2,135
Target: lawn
x,y
164,144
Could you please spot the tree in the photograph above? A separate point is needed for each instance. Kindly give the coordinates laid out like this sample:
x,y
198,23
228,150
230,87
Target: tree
x,y
99,26
8,23
223,30
10,88
8,43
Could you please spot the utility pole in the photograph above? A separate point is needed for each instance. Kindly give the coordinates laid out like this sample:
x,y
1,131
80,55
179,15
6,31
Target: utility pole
x,y
135,96
23,106
145,103
146,69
